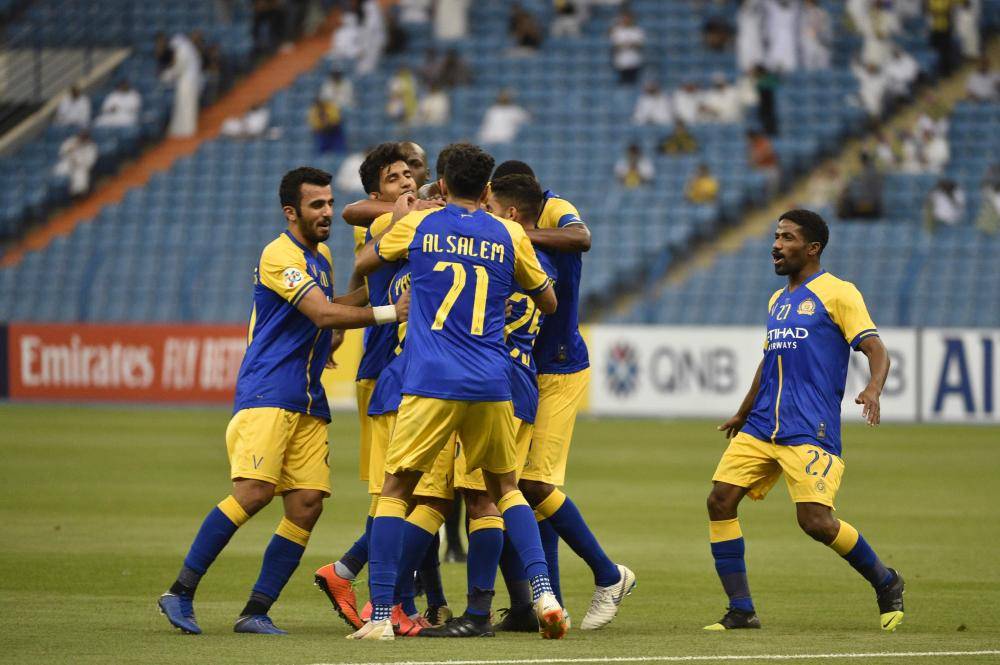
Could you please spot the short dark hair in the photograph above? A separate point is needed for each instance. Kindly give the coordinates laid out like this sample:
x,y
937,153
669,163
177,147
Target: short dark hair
x,y
290,189
441,161
467,170
520,191
379,157
512,167
814,228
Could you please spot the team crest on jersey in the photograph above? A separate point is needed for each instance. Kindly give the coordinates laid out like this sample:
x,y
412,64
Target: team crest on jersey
x,y
807,307
820,486
293,277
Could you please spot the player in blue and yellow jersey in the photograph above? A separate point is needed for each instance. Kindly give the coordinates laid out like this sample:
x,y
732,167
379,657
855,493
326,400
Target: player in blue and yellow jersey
x,y
789,421
563,379
360,214
277,437
464,264
385,175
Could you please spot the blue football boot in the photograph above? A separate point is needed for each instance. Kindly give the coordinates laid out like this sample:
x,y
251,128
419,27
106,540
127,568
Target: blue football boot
x,y
179,611
257,623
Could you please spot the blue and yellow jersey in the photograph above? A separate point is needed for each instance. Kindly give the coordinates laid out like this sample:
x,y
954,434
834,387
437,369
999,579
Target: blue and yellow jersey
x,y
521,329
379,341
286,352
810,334
388,391
560,348
464,264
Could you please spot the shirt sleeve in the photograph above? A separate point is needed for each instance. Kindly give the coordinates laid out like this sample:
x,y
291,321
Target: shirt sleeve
x,y
360,237
395,244
284,272
559,213
527,270
851,316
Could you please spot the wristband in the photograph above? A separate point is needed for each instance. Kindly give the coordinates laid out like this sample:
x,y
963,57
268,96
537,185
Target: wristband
x,y
384,314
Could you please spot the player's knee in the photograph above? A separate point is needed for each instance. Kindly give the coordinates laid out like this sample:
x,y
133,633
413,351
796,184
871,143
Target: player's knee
x,y
252,495
819,526
720,506
535,492
442,506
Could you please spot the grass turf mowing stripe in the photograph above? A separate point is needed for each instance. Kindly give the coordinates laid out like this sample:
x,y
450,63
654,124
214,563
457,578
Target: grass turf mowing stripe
x,y
687,659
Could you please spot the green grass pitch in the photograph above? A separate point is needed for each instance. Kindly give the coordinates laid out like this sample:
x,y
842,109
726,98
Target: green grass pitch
x,y
100,505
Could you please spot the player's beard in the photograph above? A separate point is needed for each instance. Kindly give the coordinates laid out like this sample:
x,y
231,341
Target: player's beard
x,y
316,231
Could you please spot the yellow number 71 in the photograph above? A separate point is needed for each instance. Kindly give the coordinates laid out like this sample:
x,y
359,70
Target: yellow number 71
x,y
457,285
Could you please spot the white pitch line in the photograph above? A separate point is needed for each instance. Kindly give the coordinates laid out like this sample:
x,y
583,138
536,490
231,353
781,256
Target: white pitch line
x,y
685,659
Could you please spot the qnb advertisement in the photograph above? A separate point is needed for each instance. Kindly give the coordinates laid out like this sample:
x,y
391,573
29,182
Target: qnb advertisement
x,y
689,371
191,364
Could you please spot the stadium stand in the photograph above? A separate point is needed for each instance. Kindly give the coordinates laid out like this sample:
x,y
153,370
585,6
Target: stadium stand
x,y
203,221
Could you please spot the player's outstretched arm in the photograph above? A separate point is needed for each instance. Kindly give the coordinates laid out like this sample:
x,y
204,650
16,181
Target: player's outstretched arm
x,y
363,213
733,426
571,238
357,297
546,300
878,364
327,314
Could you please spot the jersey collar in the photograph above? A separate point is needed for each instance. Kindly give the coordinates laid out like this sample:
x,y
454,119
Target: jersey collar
x,y
459,210
300,245
808,279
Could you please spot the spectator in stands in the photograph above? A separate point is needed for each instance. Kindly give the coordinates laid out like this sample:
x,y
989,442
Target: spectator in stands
x,y
523,28
211,67
451,19
939,15
634,169
163,53
402,100
569,17
653,106
750,35
346,44
983,85
678,142
77,156
327,126
702,187
862,198
933,151
348,177
689,104
455,71
721,102
431,68
966,16
824,187
73,109
871,88
502,121
763,158
817,36
901,73
268,25
877,47
121,107
988,219
766,85
251,125
782,20
337,89
434,108
374,36
716,33
415,13
185,74
885,152
945,205
627,42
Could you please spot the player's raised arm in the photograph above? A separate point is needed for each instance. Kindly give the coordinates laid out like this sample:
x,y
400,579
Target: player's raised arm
x,y
362,213
572,238
355,298
878,365
733,426
394,243
327,314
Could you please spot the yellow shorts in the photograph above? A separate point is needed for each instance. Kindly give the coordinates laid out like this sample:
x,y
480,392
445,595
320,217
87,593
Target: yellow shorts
x,y
473,480
285,448
364,389
435,483
812,474
559,398
425,425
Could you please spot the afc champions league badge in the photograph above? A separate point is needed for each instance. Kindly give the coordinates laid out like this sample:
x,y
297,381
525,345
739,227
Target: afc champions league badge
x,y
292,277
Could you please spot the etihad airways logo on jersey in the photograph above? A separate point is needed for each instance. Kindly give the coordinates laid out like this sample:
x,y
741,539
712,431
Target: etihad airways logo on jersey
x,y
785,338
463,246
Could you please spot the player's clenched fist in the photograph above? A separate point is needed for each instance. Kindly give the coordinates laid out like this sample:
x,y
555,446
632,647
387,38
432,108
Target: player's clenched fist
x,y
403,307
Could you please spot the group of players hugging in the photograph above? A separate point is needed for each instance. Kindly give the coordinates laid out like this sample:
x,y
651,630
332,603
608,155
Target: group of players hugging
x,y
471,377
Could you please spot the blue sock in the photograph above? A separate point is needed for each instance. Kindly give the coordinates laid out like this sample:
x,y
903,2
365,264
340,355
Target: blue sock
x,y
523,532
485,546
513,575
214,534
560,511
430,573
281,558
356,557
550,545
384,554
728,550
415,543
855,549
